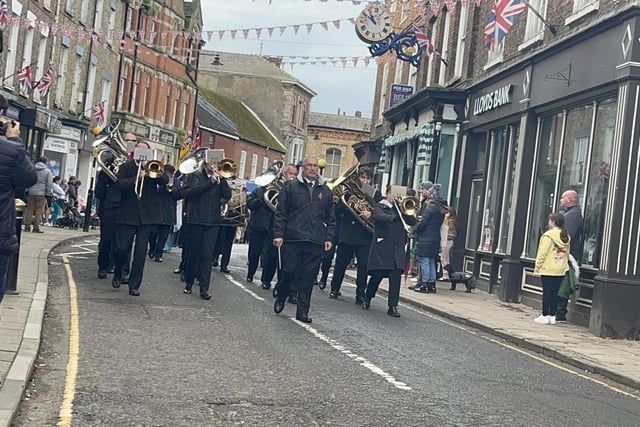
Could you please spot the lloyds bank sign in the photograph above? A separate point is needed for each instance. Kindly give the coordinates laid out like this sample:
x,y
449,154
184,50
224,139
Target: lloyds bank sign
x,y
492,100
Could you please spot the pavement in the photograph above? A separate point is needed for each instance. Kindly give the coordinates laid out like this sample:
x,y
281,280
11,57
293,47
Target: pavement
x,y
22,314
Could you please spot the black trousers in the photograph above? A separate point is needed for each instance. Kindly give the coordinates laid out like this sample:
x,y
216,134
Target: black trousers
x,y
550,286
107,246
325,265
256,245
199,244
344,254
269,259
158,239
124,240
224,243
300,263
394,276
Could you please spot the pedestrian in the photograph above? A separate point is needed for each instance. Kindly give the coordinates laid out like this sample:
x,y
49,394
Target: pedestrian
x,y
573,222
167,207
16,172
37,198
260,223
387,257
72,192
304,226
428,239
108,195
58,196
552,263
451,220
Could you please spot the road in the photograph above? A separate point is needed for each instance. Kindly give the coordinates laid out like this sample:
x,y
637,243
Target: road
x,y
169,359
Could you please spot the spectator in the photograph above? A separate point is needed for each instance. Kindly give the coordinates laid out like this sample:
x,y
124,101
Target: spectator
x,y
573,223
37,199
58,195
451,220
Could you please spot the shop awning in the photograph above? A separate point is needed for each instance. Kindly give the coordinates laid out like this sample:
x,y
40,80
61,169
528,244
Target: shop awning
x,y
424,136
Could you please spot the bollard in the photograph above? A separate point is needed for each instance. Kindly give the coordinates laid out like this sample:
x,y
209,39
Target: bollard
x,y
12,268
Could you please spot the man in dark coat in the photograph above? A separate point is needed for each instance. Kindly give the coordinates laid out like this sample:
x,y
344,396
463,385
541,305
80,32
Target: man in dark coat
x,y
574,224
136,218
353,240
427,240
108,196
203,192
388,256
260,222
16,172
303,227
168,218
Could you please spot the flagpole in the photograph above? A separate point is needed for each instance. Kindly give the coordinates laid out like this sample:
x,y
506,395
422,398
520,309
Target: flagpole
x,y
11,75
551,28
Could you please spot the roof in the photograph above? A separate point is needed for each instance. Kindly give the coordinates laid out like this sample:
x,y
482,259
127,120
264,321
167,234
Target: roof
x,y
337,121
248,124
211,118
249,65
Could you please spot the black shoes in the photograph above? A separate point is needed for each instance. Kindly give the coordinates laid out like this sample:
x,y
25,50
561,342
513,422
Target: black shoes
x,y
422,288
150,255
158,259
359,300
416,286
266,285
102,274
366,303
249,279
293,299
134,292
393,311
278,306
304,319
322,284
333,294
187,289
177,271
224,270
215,263
116,282
205,295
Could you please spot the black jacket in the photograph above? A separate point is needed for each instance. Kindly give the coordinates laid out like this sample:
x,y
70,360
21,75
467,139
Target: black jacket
x,y
305,214
388,246
16,171
574,224
261,218
167,204
107,193
351,231
204,198
427,232
134,211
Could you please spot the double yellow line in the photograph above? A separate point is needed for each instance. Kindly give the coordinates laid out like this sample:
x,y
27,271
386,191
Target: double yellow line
x,y
66,408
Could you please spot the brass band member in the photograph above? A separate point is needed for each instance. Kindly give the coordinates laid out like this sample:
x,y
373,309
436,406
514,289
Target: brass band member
x,y
387,257
137,217
260,224
303,228
203,192
108,196
353,239
168,209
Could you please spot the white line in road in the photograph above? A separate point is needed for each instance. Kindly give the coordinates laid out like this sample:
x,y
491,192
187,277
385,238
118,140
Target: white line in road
x,y
244,288
85,250
363,362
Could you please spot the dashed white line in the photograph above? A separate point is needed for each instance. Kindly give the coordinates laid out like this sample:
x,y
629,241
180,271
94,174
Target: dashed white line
x,y
244,288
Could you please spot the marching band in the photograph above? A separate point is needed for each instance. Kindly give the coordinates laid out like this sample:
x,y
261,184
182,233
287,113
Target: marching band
x,y
294,220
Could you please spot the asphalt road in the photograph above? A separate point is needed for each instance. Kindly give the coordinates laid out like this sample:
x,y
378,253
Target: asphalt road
x,y
169,359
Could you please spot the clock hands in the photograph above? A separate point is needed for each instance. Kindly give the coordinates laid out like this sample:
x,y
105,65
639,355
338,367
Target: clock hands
x,y
372,18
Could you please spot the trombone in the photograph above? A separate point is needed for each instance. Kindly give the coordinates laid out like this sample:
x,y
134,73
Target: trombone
x,y
407,205
153,169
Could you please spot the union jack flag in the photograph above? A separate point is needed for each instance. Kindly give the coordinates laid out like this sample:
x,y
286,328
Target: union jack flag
x,y
502,17
197,141
4,13
24,77
99,113
44,84
423,40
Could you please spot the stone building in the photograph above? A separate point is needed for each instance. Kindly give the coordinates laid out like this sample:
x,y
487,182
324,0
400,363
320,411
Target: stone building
x,y
278,98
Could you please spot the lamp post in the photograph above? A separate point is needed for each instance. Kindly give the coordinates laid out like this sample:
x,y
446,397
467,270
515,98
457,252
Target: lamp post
x,y
435,153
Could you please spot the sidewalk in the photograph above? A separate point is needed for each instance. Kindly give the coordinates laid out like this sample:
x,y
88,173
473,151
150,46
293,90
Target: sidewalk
x,y
22,315
618,360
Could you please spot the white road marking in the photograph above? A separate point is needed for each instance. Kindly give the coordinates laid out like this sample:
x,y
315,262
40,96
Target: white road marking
x,y
243,287
363,362
83,246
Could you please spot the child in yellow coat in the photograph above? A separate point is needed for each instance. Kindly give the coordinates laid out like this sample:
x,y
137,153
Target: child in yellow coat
x,y
552,263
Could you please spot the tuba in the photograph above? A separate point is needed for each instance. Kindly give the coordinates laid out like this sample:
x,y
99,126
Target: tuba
x,y
272,180
347,188
234,211
110,150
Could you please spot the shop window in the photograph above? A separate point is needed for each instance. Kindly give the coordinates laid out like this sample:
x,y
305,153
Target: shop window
x,y
505,222
475,211
495,174
574,150
333,156
542,198
598,185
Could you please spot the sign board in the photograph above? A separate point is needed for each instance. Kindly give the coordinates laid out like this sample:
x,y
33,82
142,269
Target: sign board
x,y
399,92
56,144
492,100
214,156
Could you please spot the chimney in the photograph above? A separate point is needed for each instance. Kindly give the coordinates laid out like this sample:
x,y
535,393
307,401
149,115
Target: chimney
x,y
358,113
275,60
338,111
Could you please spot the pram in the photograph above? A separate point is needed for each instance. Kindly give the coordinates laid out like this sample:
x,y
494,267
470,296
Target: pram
x,y
70,217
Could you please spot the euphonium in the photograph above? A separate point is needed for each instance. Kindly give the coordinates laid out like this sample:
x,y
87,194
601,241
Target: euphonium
x,y
110,151
347,188
272,180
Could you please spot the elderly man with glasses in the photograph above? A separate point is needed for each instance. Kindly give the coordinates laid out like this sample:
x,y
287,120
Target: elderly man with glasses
x,y
303,228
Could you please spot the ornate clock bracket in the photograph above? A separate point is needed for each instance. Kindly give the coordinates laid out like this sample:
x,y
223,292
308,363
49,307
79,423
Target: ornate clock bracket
x,y
403,45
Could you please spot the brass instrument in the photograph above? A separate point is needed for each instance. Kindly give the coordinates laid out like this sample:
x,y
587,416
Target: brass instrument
x,y
234,211
347,188
153,168
110,150
196,161
272,180
409,205
227,168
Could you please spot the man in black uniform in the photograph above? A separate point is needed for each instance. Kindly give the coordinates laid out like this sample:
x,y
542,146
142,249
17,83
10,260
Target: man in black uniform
x,y
168,209
304,225
260,222
203,192
354,239
137,217
108,195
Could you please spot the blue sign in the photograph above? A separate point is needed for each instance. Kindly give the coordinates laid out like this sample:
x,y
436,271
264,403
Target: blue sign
x,y
399,92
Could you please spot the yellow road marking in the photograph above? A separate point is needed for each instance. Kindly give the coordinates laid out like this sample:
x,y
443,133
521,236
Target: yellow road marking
x,y
66,408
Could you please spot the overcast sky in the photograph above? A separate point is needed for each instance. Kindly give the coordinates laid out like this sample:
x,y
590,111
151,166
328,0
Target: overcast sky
x,y
347,88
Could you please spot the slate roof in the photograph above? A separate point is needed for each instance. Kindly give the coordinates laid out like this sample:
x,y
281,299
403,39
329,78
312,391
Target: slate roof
x,y
211,118
248,125
336,121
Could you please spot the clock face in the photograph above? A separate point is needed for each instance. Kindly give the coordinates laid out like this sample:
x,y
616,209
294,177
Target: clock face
x,y
373,24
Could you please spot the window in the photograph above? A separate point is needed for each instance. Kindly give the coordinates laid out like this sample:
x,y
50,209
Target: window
x,y
105,95
495,57
69,6
333,156
176,103
127,24
398,75
112,16
254,166
265,163
76,90
535,27
84,9
28,46
98,18
47,4
122,86
431,58
145,94
507,200
574,150
185,104
445,46
91,82
134,91
462,36
497,164
40,70
578,5
243,163
382,104
167,104
10,68
62,75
